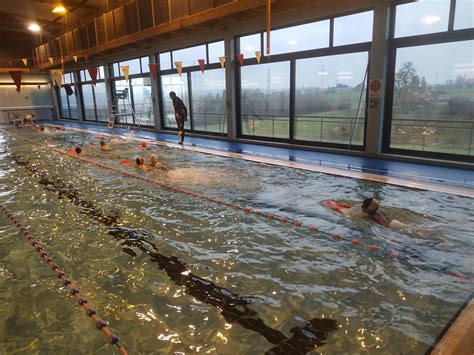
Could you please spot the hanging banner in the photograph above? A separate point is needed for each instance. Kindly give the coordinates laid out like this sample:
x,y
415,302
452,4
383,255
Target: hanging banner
x,y
125,70
202,64
10,62
25,61
75,58
58,76
93,74
51,60
179,67
258,55
222,61
16,76
153,69
240,58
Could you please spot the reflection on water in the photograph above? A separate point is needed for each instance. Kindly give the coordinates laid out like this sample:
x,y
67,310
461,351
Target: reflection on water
x,y
170,272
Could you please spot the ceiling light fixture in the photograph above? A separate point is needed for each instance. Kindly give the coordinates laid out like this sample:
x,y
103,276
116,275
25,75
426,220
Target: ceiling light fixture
x,y
34,27
59,9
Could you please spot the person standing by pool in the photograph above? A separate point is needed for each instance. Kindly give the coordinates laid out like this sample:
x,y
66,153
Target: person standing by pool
x,y
180,114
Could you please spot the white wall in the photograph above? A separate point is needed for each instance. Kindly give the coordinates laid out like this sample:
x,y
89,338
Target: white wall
x,y
30,99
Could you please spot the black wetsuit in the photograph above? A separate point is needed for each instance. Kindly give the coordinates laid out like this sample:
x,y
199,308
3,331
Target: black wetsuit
x,y
182,114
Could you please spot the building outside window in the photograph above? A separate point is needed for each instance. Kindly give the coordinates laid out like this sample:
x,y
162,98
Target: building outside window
x,y
430,106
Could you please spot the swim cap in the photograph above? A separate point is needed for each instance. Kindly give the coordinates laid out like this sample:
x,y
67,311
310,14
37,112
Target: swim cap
x,y
144,144
371,205
78,150
139,161
102,143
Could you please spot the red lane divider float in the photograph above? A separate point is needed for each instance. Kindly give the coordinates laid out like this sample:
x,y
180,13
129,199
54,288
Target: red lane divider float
x,y
282,219
100,324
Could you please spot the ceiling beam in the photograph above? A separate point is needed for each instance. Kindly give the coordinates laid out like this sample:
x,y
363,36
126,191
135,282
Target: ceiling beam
x,y
11,17
70,3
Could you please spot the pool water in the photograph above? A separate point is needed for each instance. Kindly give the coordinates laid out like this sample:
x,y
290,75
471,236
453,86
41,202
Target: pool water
x,y
175,274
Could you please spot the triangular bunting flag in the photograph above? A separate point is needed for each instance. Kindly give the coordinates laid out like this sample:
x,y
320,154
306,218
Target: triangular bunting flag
x,y
16,76
153,69
58,76
51,60
38,61
202,65
25,61
125,70
240,58
86,57
258,55
222,61
10,62
75,58
39,87
93,74
179,67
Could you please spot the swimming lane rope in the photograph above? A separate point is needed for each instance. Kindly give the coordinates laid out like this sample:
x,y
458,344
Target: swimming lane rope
x,y
73,290
282,219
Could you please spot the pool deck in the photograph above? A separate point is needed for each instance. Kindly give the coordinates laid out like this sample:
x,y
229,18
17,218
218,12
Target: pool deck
x,y
408,174
457,338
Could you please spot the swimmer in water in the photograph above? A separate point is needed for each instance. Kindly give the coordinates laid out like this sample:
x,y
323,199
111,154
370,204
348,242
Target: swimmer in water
x,y
39,129
370,210
144,146
140,165
154,163
75,152
104,147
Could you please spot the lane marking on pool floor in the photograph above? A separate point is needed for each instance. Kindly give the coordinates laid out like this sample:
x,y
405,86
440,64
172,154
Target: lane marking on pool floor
x,y
73,290
426,186
269,216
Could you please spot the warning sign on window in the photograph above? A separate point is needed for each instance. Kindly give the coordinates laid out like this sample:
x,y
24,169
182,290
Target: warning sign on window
x,y
375,88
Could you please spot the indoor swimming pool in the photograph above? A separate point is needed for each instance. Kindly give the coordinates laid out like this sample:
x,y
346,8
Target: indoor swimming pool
x,y
173,269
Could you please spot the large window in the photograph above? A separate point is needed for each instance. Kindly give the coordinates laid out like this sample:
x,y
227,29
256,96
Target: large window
x,y
132,97
430,109
68,97
330,98
203,93
312,90
265,100
94,98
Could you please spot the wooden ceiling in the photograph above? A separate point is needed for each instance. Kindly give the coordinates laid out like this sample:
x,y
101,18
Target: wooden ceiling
x,y
15,16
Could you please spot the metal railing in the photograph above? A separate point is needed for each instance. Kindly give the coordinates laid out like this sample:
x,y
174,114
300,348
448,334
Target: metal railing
x,y
203,121
324,128
433,135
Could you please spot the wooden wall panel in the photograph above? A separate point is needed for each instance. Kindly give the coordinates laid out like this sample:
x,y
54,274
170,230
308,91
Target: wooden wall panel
x,y
131,18
100,28
120,22
84,37
91,34
76,40
179,9
199,5
145,14
161,11
109,26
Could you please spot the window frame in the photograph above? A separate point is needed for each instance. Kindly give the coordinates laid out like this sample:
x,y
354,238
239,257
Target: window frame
x,y
89,82
60,100
292,57
395,43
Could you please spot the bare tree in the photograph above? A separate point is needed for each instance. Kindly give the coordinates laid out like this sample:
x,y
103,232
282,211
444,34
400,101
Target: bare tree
x,y
405,80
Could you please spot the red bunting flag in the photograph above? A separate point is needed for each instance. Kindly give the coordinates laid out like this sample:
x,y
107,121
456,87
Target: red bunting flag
x,y
86,57
202,65
153,69
93,74
16,76
240,58
38,61
10,62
